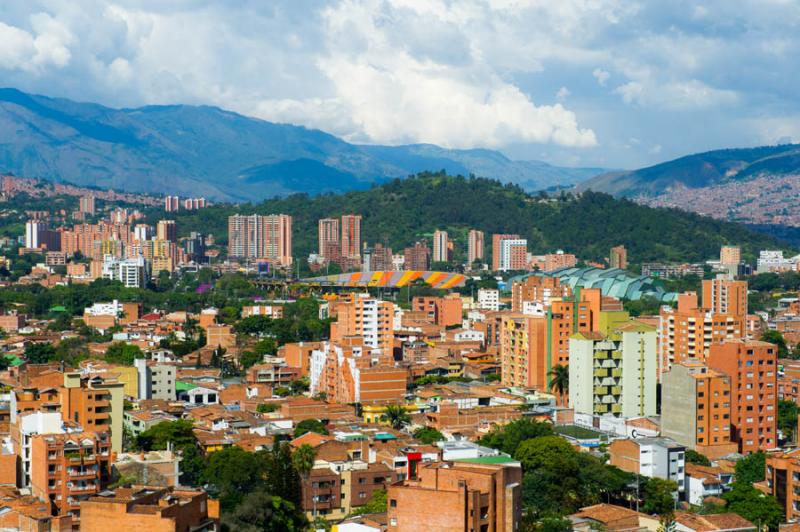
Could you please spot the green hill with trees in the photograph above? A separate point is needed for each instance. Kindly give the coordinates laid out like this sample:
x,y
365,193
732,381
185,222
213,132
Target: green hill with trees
x,y
401,211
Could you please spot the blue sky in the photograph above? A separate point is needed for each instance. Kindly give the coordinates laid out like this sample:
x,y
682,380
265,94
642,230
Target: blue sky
x,y
574,82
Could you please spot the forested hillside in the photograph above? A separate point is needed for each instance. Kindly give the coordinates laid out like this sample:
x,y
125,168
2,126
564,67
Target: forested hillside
x,y
401,211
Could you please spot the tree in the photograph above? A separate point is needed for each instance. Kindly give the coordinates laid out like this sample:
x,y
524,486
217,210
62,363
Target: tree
x,y
282,475
397,416
176,433
266,408
261,512
753,505
428,435
547,451
751,468
303,459
787,417
657,495
233,472
775,337
310,425
39,353
693,457
508,437
376,505
122,353
559,380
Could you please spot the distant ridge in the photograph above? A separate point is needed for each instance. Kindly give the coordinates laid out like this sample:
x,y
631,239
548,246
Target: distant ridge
x,y
202,150
699,171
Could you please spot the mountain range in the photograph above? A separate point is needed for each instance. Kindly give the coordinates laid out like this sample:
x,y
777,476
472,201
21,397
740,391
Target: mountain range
x,y
207,151
701,170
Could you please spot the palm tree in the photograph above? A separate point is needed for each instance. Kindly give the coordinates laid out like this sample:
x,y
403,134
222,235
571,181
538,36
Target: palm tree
x,y
559,380
303,460
397,416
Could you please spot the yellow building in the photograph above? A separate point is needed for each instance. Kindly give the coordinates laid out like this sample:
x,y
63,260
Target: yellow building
x,y
374,413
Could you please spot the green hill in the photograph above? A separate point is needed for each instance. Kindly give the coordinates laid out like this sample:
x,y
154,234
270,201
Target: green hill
x,y
400,211
699,170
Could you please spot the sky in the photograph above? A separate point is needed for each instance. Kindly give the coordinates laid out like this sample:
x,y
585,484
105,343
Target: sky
x,y
615,84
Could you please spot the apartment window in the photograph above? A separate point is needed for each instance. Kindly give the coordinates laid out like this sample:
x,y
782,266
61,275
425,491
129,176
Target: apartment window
x,y
393,503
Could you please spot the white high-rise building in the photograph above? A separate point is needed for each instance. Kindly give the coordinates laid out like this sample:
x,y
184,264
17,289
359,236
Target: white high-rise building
x,y
131,272
34,232
441,246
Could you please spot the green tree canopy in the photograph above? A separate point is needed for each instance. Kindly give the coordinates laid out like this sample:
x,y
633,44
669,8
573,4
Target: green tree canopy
x,y
310,425
508,437
693,457
428,435
775,337
751,468
122,353
753,505
261,512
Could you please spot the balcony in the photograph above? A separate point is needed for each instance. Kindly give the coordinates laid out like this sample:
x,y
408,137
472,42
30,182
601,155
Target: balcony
x,y
600,390
82,488
601,372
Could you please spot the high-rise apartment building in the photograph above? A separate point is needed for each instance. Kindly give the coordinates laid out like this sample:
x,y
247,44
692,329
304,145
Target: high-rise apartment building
x,y
509,252
523,351
618,258
171,203
513,254
441,246
142,232
167,230
261,237
730,255
753,368
538,289
351,235
86,205
696,409
688,331
365,316
34,233
417,257
723,296
614,373
327,236
474,247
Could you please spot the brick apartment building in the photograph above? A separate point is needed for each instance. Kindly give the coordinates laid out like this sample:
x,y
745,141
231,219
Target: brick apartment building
x,y
66,469
782,481
152,509
351,372
448,496
688,331
696,409
443,311
362,315
752,367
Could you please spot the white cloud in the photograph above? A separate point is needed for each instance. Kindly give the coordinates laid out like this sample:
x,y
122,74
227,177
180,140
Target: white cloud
x,y
17,47
385,94
691,94
459,73
601,76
